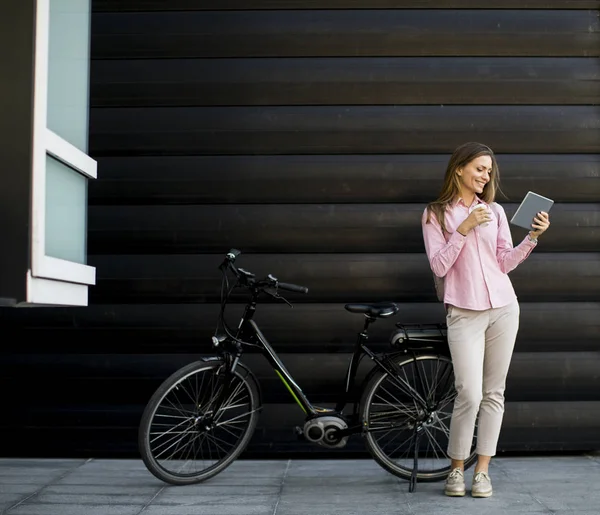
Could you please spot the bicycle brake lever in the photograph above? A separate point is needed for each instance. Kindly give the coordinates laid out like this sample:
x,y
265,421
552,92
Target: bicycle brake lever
x,y
276,295
284,300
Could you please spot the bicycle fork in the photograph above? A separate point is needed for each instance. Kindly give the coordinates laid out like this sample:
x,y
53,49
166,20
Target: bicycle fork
x,y
224,388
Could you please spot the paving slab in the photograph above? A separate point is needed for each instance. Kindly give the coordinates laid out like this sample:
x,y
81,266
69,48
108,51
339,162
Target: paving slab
x,y
552,485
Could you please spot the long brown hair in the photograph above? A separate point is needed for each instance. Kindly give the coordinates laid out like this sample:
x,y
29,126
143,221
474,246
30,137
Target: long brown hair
x,y
463,155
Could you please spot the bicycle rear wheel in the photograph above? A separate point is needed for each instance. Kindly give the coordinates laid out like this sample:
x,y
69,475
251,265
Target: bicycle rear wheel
x,y
393,417
183,437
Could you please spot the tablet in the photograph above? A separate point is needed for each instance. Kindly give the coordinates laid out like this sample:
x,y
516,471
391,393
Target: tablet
x,y
531,205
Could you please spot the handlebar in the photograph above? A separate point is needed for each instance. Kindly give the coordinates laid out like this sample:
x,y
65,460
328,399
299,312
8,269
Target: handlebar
x,y
292,287
248,279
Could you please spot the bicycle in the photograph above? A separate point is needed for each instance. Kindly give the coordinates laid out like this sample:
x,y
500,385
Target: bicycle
x,y
202,417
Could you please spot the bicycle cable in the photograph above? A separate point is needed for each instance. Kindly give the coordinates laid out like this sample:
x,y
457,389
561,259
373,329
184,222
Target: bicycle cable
x,y
222,322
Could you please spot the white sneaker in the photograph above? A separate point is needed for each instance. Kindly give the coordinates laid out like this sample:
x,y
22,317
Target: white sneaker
x,y
455,483
482,485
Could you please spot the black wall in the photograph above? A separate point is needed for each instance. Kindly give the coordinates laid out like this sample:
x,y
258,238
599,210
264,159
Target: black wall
x,y
310,134
17,31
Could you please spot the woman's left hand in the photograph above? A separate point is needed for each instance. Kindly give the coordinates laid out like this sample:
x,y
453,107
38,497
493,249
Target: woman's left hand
x,y
540,224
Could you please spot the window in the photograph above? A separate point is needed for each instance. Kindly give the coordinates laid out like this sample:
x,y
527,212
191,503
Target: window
x,y
61,166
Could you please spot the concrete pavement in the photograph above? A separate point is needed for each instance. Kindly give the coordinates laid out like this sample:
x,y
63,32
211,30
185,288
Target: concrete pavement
x,y
562,485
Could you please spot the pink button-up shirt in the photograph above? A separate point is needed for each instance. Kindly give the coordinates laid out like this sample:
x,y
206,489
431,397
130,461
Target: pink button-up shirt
x,y
475,266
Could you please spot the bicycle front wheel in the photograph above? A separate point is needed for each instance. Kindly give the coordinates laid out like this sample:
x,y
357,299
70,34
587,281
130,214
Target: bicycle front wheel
x,y
395,421
183,437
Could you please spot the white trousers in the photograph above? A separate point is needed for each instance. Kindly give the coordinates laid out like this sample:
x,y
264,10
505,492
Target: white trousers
x,y
481,344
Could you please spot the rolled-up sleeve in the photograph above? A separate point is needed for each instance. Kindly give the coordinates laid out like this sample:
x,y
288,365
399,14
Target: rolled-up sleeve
x,y
510,257
442,254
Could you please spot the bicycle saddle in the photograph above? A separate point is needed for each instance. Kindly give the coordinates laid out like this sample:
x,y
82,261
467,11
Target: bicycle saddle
x,y
377,309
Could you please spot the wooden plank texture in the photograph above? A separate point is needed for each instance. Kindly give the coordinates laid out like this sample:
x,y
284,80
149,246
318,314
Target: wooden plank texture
x,y
112,431
310,134
315,327
297,179
405,277
283,228
194,5
86,377
342,129
353,81
350,33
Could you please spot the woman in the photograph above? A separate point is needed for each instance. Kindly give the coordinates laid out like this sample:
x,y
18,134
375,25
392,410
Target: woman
x,y
471,248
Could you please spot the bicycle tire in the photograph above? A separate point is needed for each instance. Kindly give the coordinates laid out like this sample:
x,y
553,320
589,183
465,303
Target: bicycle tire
x,y
176,383
367,412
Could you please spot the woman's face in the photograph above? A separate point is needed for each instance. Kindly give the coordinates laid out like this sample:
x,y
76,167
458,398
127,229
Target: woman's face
x,y
475,174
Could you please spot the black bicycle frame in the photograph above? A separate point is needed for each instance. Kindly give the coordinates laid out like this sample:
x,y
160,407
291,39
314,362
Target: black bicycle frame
x,y
249,331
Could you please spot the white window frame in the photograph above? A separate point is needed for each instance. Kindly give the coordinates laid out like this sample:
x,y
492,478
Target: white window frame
x,y
47,272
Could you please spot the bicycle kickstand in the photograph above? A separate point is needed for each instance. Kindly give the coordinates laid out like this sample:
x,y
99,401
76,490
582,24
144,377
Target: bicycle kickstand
x,y
413,477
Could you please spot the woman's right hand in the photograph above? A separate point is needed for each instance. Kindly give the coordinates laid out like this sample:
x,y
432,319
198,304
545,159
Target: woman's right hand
x,y
477,217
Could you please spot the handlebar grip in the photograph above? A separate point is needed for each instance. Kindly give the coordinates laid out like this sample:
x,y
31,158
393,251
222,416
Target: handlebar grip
x,y
292,287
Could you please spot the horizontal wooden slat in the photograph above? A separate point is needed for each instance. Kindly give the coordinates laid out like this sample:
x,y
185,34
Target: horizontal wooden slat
x,y
322,179
194,5
279,418
302,228
342,129
351,32
353,81
527,426
532,376
330,278
170,328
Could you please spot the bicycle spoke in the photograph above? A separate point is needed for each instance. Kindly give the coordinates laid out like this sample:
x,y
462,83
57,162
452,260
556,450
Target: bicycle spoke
x,y
190,446
411,437
395,415
229,431
189,435
183,435
229,401
172,430
394,398
422,377
181,446
214,438
181,410
182,386
169,416
434,441
405,387
236,418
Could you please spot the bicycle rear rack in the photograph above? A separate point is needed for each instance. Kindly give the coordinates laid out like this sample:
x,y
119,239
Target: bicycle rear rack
x,y
419,333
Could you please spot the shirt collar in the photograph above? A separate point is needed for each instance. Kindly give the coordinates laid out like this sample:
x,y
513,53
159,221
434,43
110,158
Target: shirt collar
x,y
459,200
